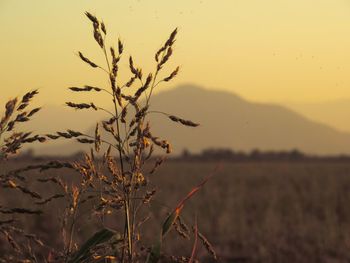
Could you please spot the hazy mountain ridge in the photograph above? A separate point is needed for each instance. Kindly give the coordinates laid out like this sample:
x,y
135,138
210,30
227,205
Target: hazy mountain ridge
x,y
232,122
335,113
227,121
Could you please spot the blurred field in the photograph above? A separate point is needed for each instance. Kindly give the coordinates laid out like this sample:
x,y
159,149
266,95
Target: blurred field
x,y
251,211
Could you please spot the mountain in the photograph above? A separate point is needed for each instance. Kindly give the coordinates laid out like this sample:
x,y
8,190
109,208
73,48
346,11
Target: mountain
x,y
335,113
232,122
228,121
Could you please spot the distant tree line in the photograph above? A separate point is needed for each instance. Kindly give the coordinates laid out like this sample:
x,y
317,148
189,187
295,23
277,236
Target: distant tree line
x,y
220,154
255,155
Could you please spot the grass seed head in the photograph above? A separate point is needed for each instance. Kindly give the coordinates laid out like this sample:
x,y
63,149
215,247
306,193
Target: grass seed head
x,y
86,60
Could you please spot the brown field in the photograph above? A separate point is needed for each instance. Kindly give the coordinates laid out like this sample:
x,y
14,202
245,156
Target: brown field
x,y
250,212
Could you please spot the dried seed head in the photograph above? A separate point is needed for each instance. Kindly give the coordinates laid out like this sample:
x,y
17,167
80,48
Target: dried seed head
x,y
207,245
28,96
181,231
141,113
112,52
107,127
107,154
115,66
167,44
140,179
74,133
160,51
182,121
168,147
172,75
97,139
145,142
85,88
171,39
114,170
165,58
86,60
131,81
92,88
92,18
158,163
123,115
33,111
133,132
148,196
35,138
84,140
53,137
65,135
98,37
22,106
139,73
81,105
144,87
22,117
103,28
75,196
120,47
10,126
132,67
10,107
183,224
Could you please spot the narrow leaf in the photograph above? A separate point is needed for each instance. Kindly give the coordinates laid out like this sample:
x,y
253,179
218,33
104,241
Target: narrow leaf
x,y
194,249
154,255
168,223
101,236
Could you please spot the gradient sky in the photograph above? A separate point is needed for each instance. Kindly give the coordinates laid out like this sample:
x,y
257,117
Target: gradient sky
x,y
269,51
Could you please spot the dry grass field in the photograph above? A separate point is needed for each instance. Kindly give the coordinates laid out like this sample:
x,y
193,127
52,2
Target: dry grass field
x,y
250,212
243,191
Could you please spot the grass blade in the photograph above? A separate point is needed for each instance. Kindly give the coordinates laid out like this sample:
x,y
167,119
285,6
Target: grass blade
x,y
194,249
154,255
169,222
101,236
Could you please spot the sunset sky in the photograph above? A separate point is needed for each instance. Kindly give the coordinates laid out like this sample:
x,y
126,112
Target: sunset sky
x,y
267,51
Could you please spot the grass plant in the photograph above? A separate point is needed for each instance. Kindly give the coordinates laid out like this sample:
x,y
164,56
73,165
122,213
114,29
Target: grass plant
x,y
114,179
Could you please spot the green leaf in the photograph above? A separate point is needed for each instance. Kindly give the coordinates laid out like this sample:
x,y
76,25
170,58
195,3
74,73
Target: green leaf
x,y
101,236
168,223
154,255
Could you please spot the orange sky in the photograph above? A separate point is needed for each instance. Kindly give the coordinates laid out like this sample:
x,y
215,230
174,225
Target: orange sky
x,y
285,50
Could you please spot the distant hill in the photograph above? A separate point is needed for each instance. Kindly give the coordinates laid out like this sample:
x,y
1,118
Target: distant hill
x,y
335,113
227,121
